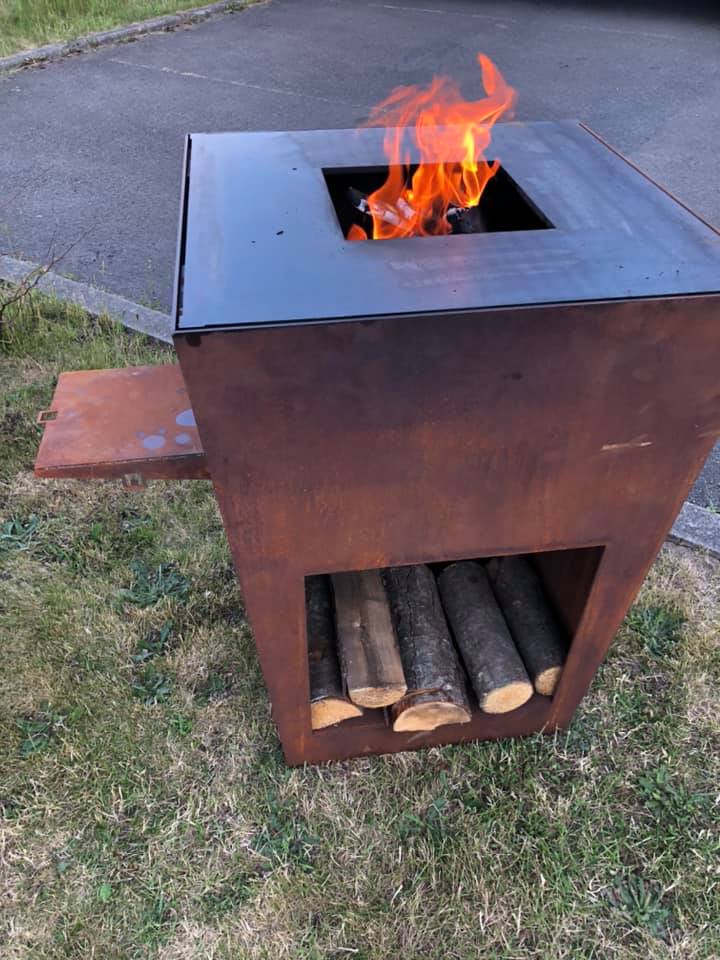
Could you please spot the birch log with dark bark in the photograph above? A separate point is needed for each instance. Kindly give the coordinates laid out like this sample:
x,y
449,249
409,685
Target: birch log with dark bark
x,y
329,703
436,687
497,673
368,650
531,620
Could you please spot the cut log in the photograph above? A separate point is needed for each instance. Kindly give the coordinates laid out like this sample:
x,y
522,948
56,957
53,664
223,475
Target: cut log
x,y
532,622
368,650
328,702
466,220
436,687
497,673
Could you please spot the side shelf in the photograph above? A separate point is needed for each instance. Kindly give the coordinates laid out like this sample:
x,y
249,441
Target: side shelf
x,y
134,422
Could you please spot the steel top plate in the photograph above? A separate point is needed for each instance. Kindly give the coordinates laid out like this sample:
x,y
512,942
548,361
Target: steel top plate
x,y
261,245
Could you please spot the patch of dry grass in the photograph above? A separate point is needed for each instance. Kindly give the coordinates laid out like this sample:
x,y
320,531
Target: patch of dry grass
x,y
157,819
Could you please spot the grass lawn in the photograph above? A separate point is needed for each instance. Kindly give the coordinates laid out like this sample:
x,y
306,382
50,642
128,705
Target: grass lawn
x,y
145,810
30,23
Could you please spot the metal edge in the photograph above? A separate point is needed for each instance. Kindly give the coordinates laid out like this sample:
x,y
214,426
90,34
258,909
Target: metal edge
x,y
647,177
318,132
372,318
117,467
181,236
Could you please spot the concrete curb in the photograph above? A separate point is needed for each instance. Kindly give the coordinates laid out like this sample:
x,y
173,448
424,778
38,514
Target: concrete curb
x,y
694,527
54,51
91,299
697,527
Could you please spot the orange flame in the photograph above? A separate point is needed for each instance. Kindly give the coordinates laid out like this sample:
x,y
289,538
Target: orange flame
x,y
452,135
356,232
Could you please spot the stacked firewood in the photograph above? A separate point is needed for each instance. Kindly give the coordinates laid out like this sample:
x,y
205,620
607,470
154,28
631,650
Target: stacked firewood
x,y
409,640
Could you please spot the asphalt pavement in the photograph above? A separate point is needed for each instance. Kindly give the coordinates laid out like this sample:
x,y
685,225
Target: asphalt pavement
x,y
92,145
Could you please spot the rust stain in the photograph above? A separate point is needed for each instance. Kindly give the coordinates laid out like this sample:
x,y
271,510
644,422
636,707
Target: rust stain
x,y
109,423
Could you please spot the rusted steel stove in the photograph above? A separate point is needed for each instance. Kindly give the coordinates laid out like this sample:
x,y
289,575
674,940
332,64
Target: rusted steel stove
x,y
549,388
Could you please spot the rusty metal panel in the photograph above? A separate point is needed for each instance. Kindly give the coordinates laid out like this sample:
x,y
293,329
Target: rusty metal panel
x,y
352,446
114,423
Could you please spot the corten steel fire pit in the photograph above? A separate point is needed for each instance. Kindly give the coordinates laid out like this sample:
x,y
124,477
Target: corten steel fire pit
x,y
548,388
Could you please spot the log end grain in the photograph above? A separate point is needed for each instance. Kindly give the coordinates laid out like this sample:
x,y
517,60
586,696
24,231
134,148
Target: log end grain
x,y
507,698
547,680
332,710
377,696
419,716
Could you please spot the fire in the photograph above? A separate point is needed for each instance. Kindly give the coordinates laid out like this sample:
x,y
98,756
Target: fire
x,y
452,136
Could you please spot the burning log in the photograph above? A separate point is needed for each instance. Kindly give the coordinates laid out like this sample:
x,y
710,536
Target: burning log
x,y
436,688
466,219
402,214
496,671
531,620
329,703
394,214
367,647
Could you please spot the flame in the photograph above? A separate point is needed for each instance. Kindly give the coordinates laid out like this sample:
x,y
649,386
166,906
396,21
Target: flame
x,y
452,135
356,232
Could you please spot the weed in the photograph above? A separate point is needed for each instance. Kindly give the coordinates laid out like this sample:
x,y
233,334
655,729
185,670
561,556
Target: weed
x,y
97,532
62,864
641,901
229,893
155,644
667,800
284,838
41,728
152,686
432,826
158,918
180,724
216,685
16,534
150,586
659,626
138,529
104,892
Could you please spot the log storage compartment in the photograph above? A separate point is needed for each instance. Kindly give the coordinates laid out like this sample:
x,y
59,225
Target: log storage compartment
x,y
444,463
445,629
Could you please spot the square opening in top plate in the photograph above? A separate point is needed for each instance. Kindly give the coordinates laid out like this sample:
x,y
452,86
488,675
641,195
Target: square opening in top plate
x,y
503,206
